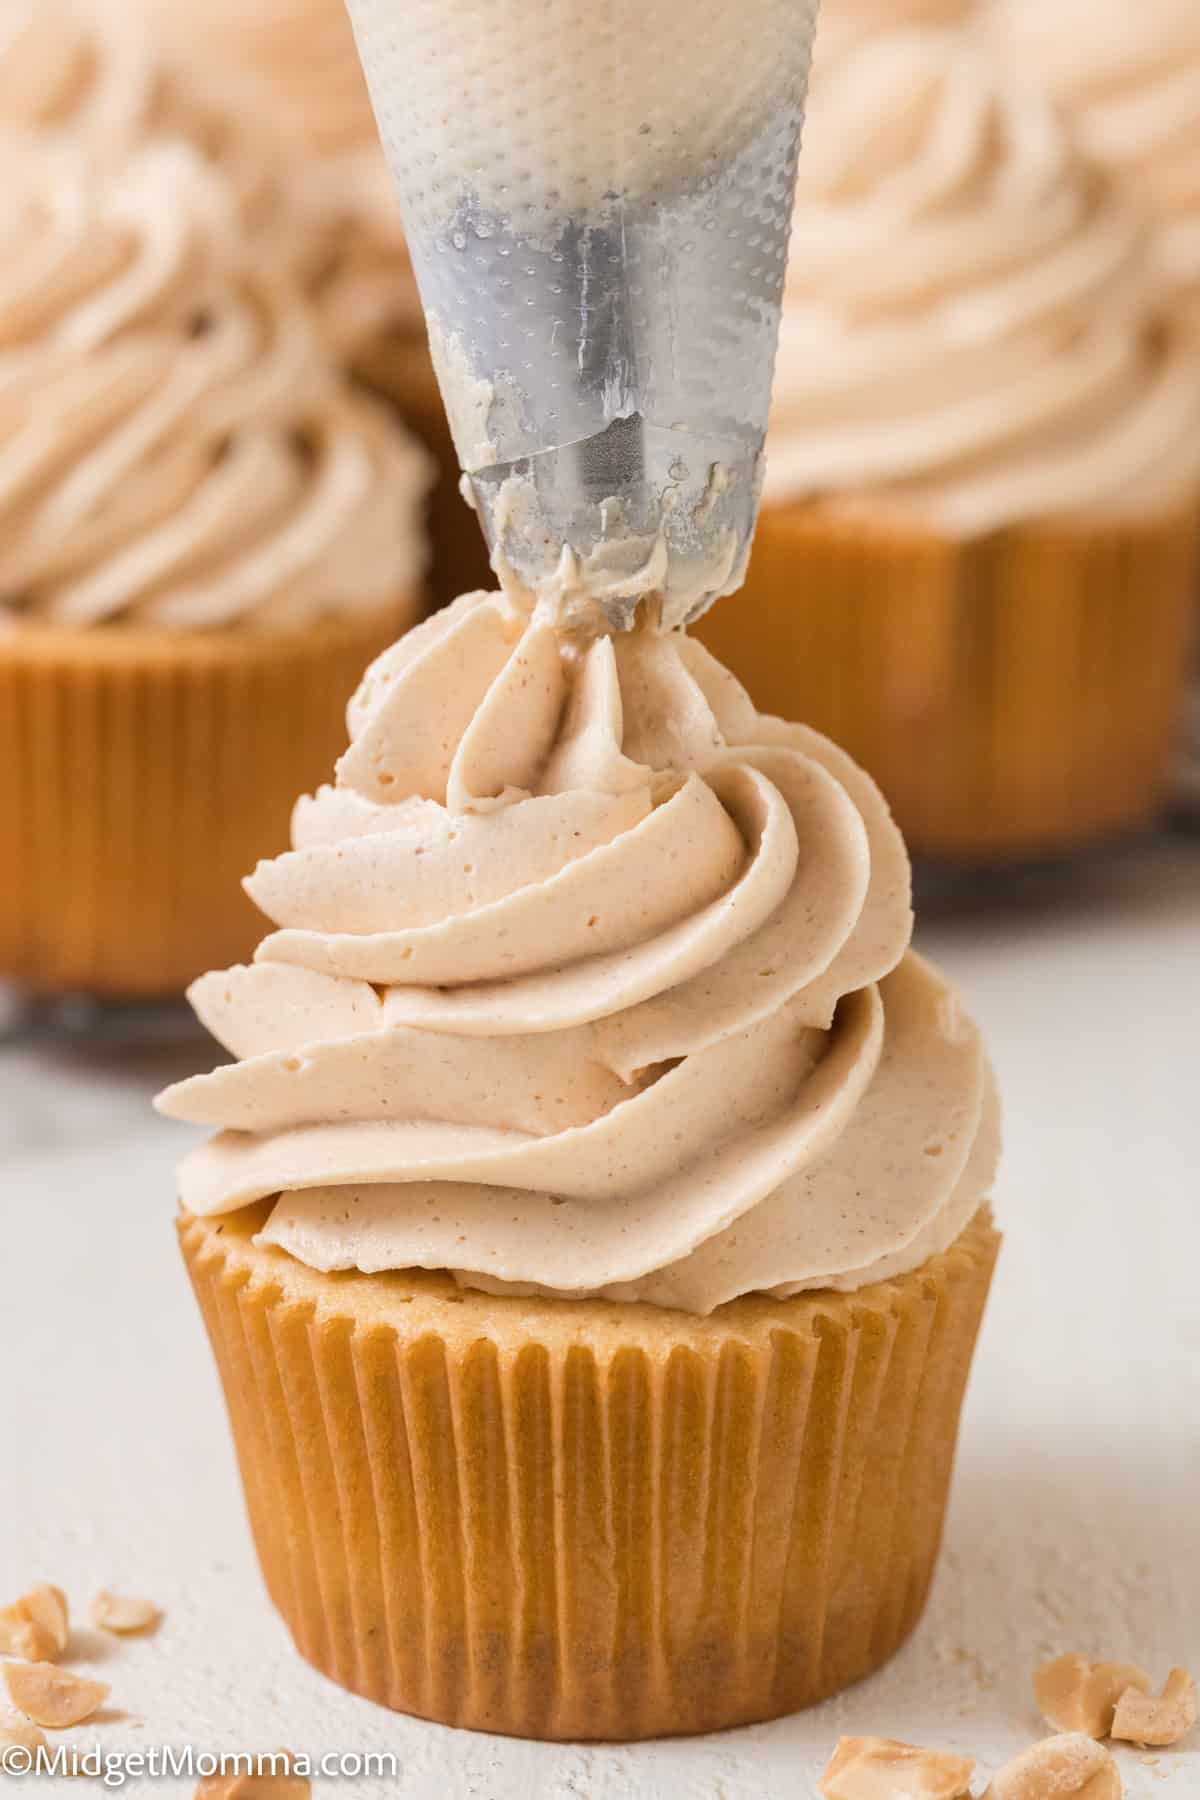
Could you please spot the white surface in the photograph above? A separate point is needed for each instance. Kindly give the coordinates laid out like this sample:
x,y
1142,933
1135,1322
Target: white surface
x,y
1074,1519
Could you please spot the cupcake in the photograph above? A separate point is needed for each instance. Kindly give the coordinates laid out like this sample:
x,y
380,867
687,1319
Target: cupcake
x,y
979,534
205,536
1129,78
596,1235
292,67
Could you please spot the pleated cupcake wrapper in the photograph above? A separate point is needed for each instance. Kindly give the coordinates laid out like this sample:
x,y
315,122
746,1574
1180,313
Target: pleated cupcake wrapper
x,y
142,774
1011,694
578,1520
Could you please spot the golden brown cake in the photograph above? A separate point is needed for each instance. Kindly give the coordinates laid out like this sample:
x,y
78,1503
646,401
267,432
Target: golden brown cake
x,y
596,1234
979,532
571,1519
204,536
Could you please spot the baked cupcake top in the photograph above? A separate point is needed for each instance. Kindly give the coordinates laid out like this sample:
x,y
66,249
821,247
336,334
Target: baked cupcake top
x,y
1128,72
177,446
974,331
588,978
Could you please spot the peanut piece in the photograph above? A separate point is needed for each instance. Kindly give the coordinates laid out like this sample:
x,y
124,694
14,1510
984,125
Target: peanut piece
x,y
1164,1718
1075,1694
46,1606
871,1768
123,1614
52,1697
22,1636
1071,1767
19,1733
256,1787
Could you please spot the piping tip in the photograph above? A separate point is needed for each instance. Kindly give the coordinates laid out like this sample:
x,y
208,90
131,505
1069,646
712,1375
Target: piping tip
x,y
598,205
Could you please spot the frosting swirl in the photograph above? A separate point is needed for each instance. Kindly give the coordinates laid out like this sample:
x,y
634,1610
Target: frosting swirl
x,y
291,66
588,978
84,72
1130,77
177,446
973,330
843,25
80,66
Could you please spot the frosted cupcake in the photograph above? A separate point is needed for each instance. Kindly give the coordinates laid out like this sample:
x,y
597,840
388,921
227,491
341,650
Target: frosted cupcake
x,y
204,537
978,537
1129,77
596,1237
291,66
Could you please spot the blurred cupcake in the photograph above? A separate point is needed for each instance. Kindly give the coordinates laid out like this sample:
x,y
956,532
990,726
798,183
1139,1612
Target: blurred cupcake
x,y
291,65
84,72
979,533
842,25
597,1234
204,536
1129,77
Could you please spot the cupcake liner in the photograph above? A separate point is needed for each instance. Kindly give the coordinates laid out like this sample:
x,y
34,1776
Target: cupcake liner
x,y
586,1520
397,367
1011,694
144,773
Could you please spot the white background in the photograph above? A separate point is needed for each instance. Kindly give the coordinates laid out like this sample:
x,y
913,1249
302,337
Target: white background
x,y
1076,1515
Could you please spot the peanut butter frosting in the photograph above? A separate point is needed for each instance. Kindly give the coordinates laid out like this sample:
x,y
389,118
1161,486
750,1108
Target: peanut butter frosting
x,y
80,66
975,333
178,448
86,72
587,978
1129,76
844,24
290,67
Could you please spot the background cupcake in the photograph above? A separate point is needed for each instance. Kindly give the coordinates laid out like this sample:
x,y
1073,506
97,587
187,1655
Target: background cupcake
x,y
596,1239
975,557
290,66
204,536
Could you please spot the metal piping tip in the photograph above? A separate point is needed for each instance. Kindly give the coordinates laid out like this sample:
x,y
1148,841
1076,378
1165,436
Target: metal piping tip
x,y
598,214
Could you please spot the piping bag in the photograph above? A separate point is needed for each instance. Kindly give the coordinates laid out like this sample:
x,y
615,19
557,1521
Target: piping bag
x,y
597,197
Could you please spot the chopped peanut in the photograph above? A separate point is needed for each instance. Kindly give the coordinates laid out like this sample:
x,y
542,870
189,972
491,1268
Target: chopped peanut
x,y
52,1697
871,1768
123,1614
257,1787
22,1636
1075,1694
46,1606
1143,1718
1071,1767
19,1733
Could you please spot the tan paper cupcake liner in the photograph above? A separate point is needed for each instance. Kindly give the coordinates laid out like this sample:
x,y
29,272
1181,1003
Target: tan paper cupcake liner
x,y
574,1519
1013,694
142,774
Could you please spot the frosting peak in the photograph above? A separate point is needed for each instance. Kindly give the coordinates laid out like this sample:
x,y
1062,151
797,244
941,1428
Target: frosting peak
x,y
974,330
588,978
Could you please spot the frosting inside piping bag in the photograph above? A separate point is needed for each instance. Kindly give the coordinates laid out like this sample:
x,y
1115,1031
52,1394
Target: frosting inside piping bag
x,y
586,978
